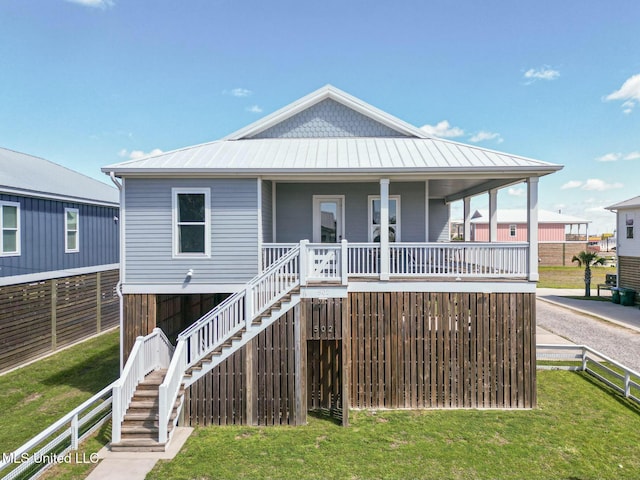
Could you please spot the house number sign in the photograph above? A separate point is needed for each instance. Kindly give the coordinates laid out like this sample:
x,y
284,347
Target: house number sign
x,y
323,329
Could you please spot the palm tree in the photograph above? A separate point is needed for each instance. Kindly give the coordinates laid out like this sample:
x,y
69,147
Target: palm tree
x,y
588,259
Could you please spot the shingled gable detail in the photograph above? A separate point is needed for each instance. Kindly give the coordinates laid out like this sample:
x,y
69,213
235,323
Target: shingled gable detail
x,y
329,119
328,112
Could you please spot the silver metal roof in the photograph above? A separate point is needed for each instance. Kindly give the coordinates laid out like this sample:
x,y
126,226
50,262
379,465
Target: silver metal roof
x,y
631,203
333,155
33,176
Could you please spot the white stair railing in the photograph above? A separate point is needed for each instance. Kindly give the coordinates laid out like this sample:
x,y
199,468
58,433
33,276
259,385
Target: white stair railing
x,y
148,354
218,326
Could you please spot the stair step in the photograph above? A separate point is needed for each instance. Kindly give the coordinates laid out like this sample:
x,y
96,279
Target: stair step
x,y
145,394
130,430
143,418
138,445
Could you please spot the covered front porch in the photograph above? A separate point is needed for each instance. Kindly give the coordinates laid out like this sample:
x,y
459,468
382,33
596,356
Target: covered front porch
x,y
391,229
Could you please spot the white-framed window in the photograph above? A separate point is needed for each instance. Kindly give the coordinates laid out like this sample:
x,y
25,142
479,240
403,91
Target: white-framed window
x,y
512,230
191,222
374,218
630,232
10,229
71,230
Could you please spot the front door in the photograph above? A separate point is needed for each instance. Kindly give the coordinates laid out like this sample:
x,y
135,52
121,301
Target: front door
x,y
328,218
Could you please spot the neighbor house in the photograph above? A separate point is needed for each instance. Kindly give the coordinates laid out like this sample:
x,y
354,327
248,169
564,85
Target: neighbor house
x,y
321,232
560,236
628,242
58,257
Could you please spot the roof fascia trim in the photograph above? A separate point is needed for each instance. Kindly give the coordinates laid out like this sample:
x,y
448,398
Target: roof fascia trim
x,y
54,196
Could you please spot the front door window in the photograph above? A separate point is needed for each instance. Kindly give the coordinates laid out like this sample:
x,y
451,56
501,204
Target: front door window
x,y
327,219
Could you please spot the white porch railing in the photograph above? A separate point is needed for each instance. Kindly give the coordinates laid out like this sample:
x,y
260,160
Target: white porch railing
x,y
148,354
326,262
271,252
484,260
222,323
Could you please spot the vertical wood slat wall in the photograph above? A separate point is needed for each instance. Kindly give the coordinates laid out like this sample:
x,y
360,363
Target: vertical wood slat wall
x,y
255,385
400,350
442,350
38,318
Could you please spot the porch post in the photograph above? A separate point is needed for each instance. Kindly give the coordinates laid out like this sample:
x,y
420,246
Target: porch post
x,y
467,218
493,215
384,229
532,227
426,210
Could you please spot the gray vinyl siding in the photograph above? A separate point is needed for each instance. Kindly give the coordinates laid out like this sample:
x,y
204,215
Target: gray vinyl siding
x,y
294,209
148,238
438,221
267,211
42,237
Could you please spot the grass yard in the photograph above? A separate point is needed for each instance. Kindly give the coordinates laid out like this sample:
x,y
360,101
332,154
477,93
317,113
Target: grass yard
x,y
35,396
580,430
571,277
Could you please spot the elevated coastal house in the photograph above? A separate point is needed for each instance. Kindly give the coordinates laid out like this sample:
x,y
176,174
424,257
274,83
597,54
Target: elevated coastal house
x,y
628,242
560,236
328,224
58,257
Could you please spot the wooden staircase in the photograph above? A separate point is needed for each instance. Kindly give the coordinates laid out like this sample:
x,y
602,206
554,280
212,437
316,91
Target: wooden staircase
x,y
232,344
140,426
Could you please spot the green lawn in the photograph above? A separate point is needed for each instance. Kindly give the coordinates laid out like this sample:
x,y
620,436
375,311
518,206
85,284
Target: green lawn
x,y
571,277
35,396
580,430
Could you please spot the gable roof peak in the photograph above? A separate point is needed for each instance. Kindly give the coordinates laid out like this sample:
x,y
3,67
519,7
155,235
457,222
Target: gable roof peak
x,y
328,91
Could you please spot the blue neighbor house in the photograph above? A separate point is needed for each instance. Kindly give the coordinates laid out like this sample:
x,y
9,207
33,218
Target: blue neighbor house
x,y
59,253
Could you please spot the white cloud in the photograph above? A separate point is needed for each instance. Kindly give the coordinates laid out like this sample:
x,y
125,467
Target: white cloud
x,y
600,185
135,154
609,157
628,93
517,192
615,156
544,73
94,3
240,92
599,209
571,184
482,135
254,109
443,130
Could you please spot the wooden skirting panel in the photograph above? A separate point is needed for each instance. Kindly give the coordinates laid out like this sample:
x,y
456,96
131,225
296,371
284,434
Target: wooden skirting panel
x,y
442,350
39,318
256,385
629,273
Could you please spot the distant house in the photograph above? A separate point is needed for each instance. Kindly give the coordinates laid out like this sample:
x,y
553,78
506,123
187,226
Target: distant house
x,y
560,236
59,252
628,242
320,234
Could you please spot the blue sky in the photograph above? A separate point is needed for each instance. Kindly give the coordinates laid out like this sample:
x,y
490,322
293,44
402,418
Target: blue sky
x,y
86,83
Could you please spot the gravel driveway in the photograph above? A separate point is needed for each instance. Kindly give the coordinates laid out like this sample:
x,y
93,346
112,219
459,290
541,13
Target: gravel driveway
x,y
619,343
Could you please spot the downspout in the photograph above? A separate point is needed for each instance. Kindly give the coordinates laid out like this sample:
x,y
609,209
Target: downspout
x,y
119,284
